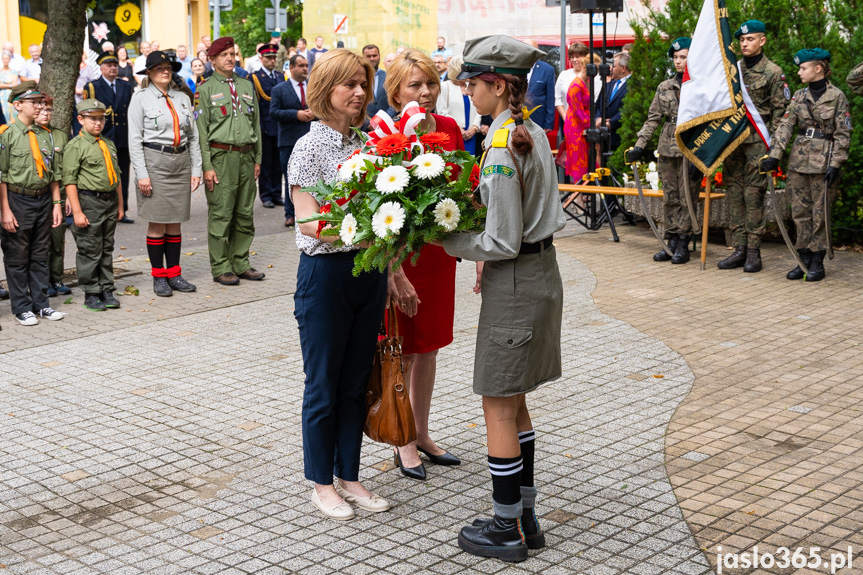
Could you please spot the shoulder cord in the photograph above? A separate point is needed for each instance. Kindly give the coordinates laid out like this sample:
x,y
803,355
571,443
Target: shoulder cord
x,y
259,89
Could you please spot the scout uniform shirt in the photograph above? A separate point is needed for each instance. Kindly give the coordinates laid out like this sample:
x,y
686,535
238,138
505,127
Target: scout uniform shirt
x,y
58,140
765,82
664,105
84,164
827,120
513,217
222,120
18,158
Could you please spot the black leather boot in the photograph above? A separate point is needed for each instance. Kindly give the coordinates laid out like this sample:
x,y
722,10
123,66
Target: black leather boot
x,y
735,260
681,254
797,272
499,538
661,255
816,267
533,535
753,261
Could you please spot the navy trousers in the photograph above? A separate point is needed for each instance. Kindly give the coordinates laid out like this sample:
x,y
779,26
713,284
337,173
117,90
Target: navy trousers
x,y
284,157
339,316
270,182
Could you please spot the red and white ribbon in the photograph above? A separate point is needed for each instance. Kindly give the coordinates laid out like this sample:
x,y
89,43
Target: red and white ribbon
x,y
382,125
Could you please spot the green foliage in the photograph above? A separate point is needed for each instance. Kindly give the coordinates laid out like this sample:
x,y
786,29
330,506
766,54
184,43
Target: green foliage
x,y
835,25
246,23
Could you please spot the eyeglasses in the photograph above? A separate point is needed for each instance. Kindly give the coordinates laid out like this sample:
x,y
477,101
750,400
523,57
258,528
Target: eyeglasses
x,y
34,103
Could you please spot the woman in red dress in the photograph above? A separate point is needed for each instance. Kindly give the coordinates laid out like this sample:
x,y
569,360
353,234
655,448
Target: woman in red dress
x,y
577,121
426,292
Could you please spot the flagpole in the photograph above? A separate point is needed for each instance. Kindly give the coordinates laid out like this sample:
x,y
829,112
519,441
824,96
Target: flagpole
x,y
704,226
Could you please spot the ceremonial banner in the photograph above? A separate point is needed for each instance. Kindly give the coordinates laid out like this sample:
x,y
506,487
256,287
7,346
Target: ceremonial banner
x,y
712,117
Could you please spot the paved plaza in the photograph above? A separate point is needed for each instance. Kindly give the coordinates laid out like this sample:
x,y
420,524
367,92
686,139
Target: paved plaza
x,y
696,409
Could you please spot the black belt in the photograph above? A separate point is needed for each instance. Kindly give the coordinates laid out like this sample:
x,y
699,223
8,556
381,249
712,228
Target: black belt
x,y
27,192
95,194
537,247
244,149
814,134
166,149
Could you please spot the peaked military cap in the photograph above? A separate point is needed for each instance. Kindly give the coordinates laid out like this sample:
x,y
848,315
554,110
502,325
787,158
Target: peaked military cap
x,y
751,27
268,50
91,106
810,55
107,56
159,57
25,91
499,54
679,44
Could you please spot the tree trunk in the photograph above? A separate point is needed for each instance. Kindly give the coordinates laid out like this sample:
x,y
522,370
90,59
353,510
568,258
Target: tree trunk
x,y
62,48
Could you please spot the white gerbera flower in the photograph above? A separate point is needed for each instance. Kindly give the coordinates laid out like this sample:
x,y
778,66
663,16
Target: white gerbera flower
x,y
352,167
348,229
392,179
656,153
428,166
651,167
446,214
390,217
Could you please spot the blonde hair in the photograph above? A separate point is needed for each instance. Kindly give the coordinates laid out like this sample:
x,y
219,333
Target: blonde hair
x,y
339,65
453,69
399,71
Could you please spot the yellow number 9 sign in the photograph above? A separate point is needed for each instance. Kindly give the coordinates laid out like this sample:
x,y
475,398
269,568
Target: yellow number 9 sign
x,y
128,18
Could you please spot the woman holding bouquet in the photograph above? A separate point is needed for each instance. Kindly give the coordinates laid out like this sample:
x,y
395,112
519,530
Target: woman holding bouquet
x,y
518,337
412,77
338,314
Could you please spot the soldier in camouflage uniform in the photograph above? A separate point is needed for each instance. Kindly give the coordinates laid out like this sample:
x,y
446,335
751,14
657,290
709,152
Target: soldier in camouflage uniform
x,y
765,83
855,79
820,112
676,219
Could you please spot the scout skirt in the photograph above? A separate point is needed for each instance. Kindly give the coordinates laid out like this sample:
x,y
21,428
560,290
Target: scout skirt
x,y
171,176
518,337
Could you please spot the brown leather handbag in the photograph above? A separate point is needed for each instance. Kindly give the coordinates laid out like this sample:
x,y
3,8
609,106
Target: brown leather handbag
x,y
389,418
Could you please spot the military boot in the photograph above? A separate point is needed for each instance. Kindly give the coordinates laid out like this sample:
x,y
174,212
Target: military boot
x,y
816,267
753,261
533,535
681,254
735,260
797,272
662,255
500,538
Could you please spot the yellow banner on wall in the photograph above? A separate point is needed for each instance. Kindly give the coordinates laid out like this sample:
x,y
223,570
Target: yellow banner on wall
x,y
389,24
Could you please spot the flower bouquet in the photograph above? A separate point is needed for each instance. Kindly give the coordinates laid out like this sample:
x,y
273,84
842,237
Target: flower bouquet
x,y
400,191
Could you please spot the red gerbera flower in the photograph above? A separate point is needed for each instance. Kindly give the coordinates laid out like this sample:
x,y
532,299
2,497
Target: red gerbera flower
x,y
391,145
474,177
435,139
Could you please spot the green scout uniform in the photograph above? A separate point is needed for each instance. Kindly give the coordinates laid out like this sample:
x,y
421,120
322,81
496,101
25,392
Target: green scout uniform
x,y
746,188
58,235
823,139
84,166
25,253
855,79
676,217
230,223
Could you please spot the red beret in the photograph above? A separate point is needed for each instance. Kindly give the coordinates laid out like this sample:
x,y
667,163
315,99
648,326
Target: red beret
x,y
220,45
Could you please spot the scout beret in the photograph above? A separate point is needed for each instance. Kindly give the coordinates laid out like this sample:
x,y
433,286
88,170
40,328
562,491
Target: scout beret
x,y
750,27
498,54
268,50
90,106
679,44
276,35
220,45
25,91
158,57
811,55
107,56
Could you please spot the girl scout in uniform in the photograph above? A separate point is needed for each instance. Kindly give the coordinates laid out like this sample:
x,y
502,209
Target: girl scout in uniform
x,y
518,339
820,112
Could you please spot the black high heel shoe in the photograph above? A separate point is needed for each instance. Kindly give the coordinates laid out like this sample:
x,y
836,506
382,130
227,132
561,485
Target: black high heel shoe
x,y
418,472
446,458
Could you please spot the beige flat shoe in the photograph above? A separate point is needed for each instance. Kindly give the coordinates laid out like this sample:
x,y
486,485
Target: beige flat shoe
x,y
341,512
373,503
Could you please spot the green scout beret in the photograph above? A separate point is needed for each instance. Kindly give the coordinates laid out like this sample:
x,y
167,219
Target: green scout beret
x,y
679,44
499,54
750,27
90,106
811,55
25,90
